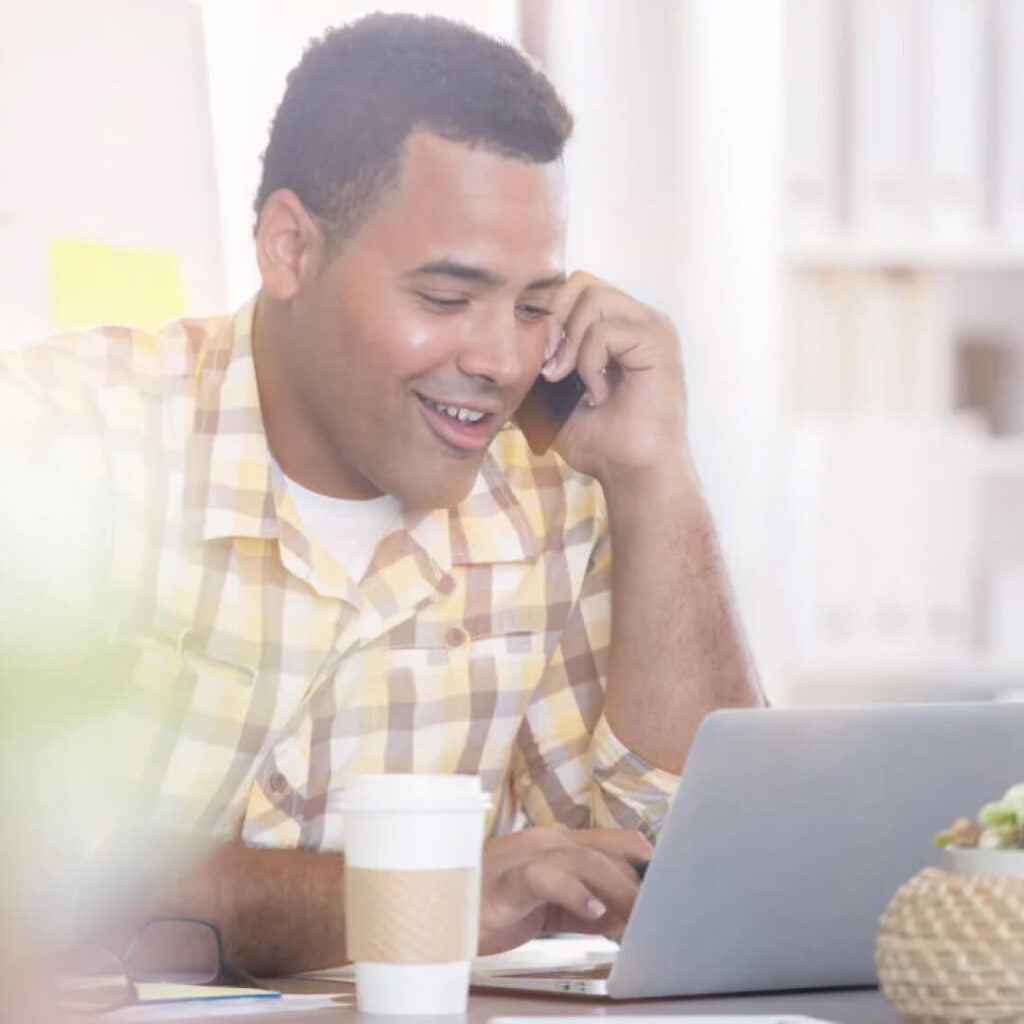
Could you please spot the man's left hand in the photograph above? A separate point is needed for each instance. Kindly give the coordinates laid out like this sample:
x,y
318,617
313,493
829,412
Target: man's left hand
x,y
633,416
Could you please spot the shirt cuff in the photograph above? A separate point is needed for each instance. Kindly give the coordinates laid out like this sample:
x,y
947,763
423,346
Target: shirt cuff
x,y
630,792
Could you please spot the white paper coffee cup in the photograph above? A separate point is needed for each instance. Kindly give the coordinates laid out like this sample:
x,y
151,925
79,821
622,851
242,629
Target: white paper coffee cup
x,y
412,889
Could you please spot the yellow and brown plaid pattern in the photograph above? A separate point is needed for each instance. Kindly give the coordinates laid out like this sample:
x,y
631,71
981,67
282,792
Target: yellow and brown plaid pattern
x,y
476,642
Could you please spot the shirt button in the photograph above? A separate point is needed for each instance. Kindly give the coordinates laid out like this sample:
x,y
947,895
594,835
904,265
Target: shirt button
x,y
278,783
455,636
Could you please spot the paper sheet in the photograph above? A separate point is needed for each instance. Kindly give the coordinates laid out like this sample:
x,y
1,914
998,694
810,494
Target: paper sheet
x,y
769,1018
94,283
168,992
211,1009
538,954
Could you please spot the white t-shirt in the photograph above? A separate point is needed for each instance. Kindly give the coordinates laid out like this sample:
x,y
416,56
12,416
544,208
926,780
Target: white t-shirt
x,y
350,530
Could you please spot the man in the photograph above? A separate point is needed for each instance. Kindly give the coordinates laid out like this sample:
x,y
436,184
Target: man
x,y
345,557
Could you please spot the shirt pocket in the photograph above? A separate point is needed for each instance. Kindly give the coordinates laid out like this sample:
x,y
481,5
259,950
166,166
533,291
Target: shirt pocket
x,y
199,679
452,645
451,694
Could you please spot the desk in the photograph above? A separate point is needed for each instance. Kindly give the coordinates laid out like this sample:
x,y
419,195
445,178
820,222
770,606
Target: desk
x,y
850,1006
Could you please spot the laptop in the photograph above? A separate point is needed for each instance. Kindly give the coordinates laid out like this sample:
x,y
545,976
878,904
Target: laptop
x,y
790,832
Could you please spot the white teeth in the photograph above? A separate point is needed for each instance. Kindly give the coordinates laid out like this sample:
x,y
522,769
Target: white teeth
x,y
458,413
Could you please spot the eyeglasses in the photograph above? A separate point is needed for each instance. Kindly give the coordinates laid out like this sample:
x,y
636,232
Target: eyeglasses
x,y
169,950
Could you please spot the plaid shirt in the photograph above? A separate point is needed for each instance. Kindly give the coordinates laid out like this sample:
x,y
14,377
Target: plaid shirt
x,y
263,677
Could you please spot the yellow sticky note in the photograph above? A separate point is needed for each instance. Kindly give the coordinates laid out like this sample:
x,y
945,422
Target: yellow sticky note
x,y
94,283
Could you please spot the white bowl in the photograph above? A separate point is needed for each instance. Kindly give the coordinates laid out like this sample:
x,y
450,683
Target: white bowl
x,y
986,863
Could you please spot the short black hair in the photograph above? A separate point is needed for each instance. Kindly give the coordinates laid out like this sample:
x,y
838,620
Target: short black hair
x,y
361,89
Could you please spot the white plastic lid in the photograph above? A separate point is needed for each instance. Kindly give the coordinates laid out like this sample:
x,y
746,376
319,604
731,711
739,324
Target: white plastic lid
x,y
404,792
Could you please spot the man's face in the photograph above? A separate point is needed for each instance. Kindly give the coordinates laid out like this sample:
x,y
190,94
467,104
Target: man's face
x,y
418,341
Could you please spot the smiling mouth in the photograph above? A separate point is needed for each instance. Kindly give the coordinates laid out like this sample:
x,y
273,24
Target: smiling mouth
x,y
461,428
457,412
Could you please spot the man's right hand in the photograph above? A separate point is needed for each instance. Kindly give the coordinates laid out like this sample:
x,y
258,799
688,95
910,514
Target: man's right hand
x,y
556,880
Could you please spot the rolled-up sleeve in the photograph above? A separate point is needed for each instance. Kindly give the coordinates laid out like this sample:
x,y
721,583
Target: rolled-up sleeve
x,y
627,791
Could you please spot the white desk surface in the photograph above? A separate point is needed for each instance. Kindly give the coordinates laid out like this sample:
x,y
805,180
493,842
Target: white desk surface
x,y
848,1006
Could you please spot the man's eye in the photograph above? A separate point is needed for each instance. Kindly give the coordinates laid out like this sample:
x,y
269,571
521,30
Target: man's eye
x,y
443,302
532,313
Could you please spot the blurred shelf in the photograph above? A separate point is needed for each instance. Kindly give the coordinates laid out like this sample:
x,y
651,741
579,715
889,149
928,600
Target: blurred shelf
x,y
982,675
1004,458
867,254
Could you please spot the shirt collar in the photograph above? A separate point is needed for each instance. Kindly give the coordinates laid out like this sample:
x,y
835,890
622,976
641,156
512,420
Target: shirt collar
x,y
229,491
491,525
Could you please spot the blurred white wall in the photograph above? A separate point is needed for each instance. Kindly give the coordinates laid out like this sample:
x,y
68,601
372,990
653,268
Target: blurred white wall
x,y
615,64
674,179
729,134
104,134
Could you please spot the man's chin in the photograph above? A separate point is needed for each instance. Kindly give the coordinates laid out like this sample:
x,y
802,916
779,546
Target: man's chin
x,y
430,495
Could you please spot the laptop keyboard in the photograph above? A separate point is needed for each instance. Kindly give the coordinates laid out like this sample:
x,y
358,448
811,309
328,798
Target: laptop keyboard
x,y
594,972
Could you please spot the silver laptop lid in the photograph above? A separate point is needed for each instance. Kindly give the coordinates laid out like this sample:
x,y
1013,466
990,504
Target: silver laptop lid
x,y
790,832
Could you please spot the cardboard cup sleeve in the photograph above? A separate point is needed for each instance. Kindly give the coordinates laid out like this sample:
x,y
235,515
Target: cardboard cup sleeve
x,y
411,917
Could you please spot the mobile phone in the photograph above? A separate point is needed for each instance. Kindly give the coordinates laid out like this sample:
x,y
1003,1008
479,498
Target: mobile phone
x,y
546,408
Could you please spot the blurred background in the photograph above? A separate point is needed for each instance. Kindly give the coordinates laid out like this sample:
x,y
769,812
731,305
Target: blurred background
x,y
826,195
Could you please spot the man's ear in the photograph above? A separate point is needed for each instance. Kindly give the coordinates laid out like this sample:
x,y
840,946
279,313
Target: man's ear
x,y
290,245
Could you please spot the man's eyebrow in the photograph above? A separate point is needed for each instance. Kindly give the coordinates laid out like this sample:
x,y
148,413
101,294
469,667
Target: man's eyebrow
x,y
466,272
555,281
463,271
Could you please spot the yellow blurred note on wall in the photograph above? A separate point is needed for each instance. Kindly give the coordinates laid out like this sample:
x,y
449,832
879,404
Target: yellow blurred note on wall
x,y
94,283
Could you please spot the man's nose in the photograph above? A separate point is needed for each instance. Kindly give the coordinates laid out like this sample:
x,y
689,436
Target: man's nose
x,y
494,350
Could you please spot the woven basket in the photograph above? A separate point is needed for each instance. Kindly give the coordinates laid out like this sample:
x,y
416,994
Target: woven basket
x,y
950,949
